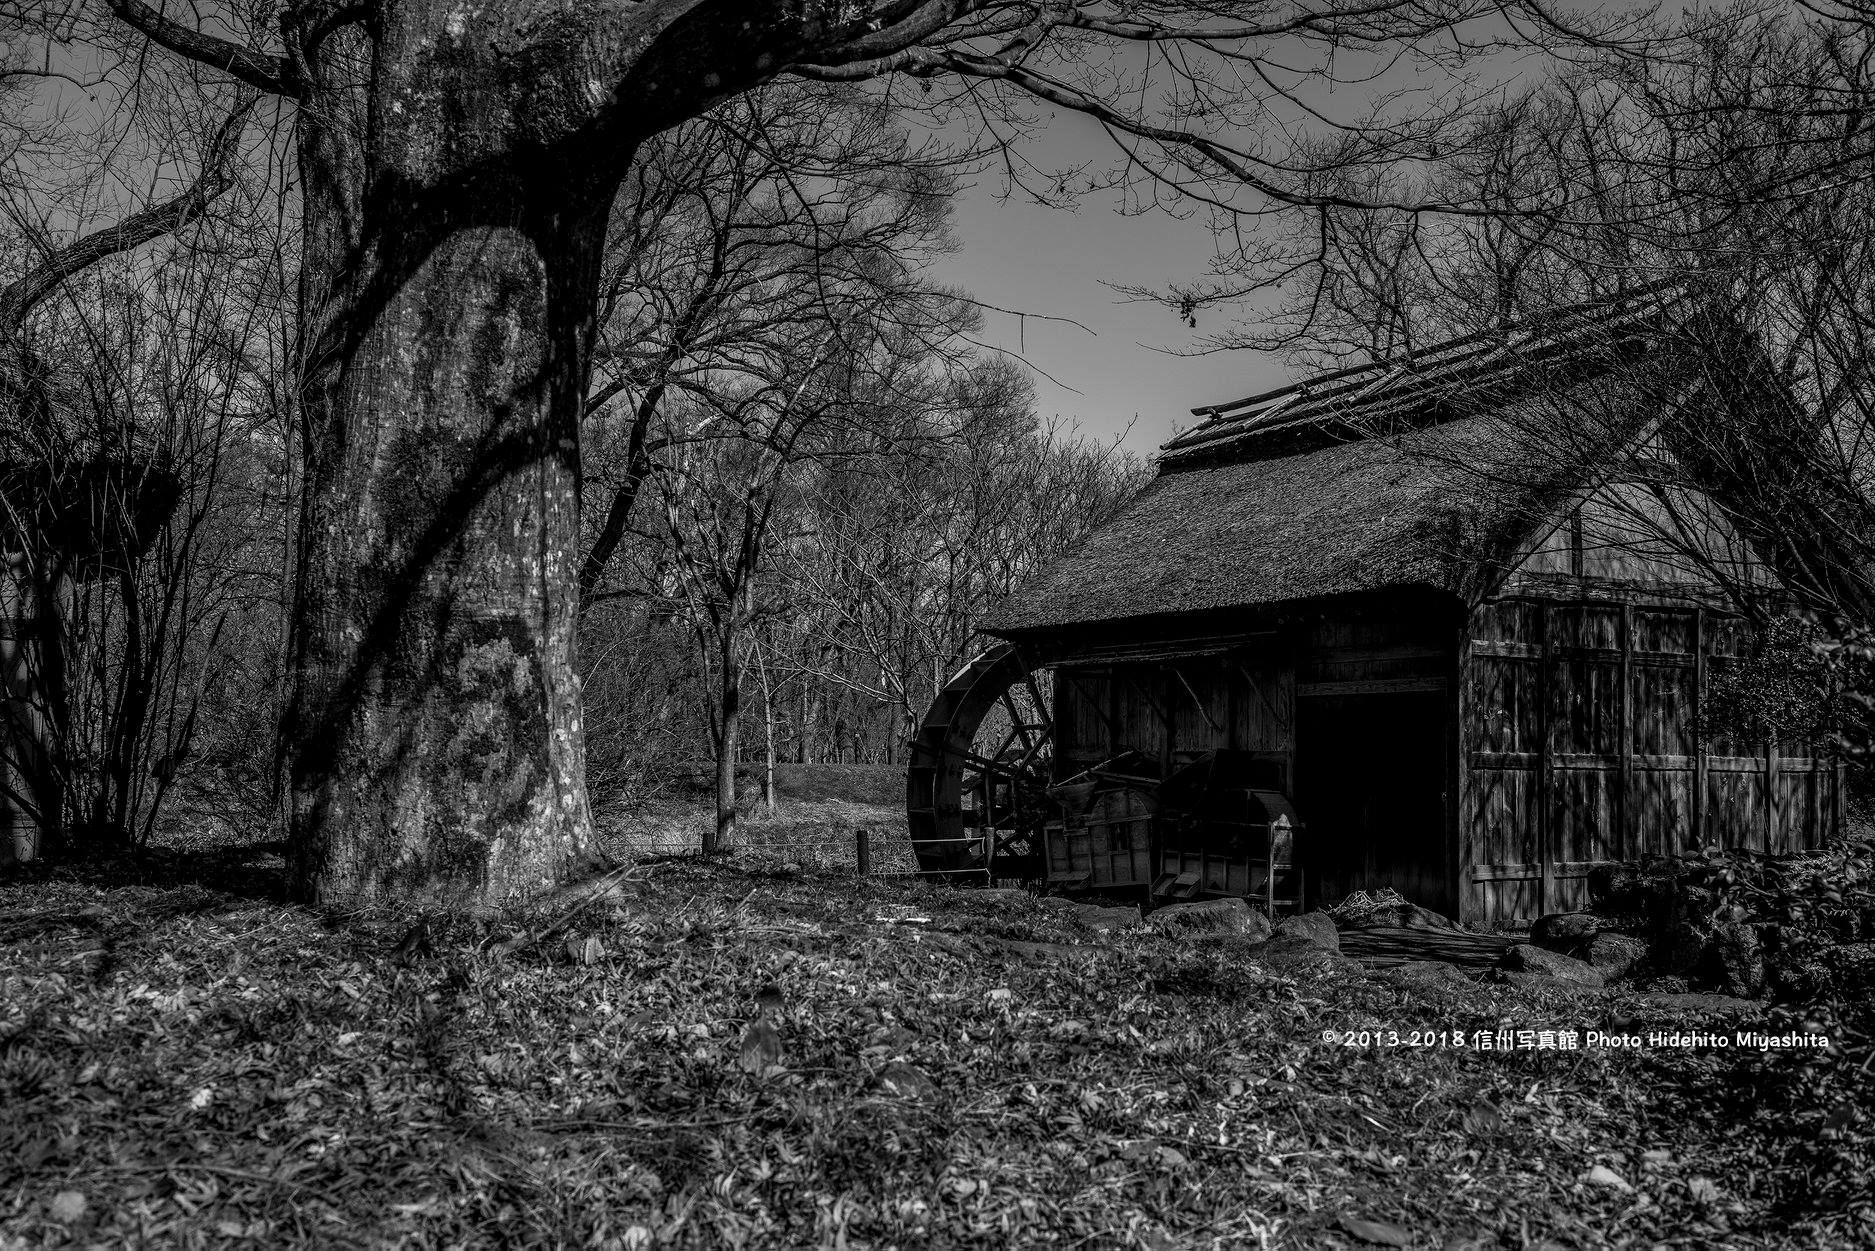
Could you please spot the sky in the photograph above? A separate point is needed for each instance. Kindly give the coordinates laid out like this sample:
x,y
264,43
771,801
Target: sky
x,y
1047,261
1118,373
1127,374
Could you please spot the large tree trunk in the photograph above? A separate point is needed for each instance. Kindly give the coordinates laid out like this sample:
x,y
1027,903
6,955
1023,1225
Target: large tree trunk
x,y
448,292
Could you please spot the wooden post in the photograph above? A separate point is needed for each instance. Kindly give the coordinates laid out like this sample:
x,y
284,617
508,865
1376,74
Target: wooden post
x,y
863,851
1546,886
1624,799
1770,795
1459,851
1699,734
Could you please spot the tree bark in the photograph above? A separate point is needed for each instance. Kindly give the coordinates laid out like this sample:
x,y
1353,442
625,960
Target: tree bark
x,y
728,744
448,292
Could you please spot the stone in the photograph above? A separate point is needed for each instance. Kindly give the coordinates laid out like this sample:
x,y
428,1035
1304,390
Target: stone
x,y
1679,948
1426,974
1693,903
1616,955
1101,919
1733,960
1001,897
1525,958
1314,929
1209,917
1567,932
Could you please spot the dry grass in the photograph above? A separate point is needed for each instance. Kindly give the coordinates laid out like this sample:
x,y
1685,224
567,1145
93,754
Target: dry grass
x,y
815,833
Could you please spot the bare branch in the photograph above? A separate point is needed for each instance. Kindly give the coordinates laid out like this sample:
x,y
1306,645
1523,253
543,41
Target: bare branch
x,y
19,298
264,72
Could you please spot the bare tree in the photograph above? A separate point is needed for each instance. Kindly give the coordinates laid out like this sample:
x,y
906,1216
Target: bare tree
x,y
729,234
912,546
458,170
830,381
111,433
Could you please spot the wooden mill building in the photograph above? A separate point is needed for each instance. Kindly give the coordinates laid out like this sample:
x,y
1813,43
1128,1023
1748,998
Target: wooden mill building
x,y
1462,607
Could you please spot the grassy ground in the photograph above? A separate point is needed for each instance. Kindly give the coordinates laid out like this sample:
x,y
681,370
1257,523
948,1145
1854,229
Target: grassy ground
x,y
819,810
189,1061
816,833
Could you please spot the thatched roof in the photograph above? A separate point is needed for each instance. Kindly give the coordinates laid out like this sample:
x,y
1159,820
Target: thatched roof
x,y
1360,516
1460,377
1424,472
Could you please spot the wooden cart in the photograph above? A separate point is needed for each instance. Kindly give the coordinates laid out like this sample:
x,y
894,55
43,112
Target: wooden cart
x,y
1230,836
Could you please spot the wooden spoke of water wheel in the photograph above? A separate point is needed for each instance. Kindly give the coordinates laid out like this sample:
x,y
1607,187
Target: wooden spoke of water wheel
x,y
976,788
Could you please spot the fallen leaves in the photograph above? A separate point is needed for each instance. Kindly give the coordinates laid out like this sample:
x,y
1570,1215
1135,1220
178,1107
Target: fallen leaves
x,y
1602,1175
67,1207
720,1058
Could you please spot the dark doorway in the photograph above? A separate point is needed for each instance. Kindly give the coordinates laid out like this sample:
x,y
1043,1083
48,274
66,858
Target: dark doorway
x,y
1370,789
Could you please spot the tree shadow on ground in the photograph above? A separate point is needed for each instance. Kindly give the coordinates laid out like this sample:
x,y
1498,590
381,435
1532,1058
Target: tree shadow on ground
x,y
254,871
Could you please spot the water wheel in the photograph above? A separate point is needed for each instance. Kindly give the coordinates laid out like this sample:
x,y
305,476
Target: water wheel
x,y
976,791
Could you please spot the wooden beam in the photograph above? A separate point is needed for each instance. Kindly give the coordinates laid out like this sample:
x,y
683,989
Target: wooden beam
x,y
1380,686
1256,688
1019,724
1202,710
